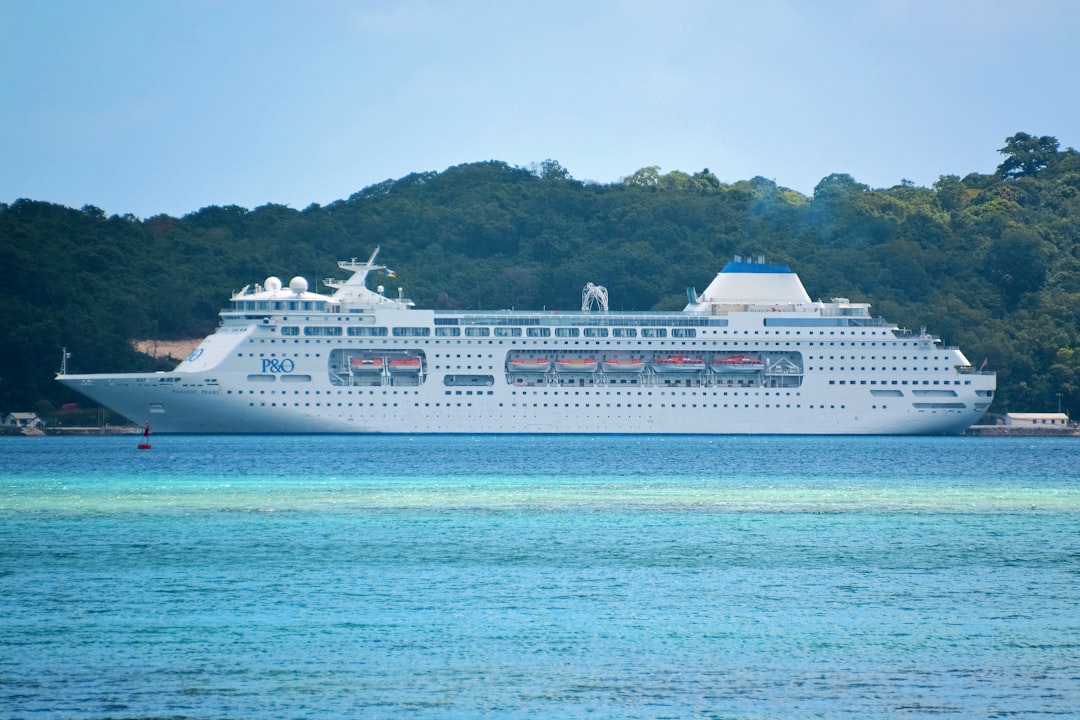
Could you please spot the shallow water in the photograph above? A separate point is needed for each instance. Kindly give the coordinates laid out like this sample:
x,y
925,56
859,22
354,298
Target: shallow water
x,y
539,577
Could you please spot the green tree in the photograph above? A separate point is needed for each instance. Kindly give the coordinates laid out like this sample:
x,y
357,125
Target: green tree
x,y
552,170
838,186
950,192
645,177
1017,261
1026,155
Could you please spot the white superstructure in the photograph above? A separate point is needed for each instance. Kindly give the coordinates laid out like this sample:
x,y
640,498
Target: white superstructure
x,y
752,354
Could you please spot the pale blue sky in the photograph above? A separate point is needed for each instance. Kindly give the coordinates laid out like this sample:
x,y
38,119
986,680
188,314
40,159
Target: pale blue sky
x,y
167,106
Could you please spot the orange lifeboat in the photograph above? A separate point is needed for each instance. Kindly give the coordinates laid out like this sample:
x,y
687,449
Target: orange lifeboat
x,y
736,364
678,364
366,365
529,365
585,365
405,365
624,366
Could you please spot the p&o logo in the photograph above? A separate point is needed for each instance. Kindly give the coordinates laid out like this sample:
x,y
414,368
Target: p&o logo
x,y
273,365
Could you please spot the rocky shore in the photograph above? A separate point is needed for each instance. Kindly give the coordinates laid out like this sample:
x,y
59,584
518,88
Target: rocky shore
x,y
1021,431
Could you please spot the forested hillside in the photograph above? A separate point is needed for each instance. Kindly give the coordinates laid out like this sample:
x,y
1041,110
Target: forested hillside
x,y
988,262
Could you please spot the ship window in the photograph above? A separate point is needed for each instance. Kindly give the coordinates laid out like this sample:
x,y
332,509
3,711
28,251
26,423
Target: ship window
x,y
627,332
507,332
367,331
411,331
683,333
290,330
448,331
322,330
567,332
477,331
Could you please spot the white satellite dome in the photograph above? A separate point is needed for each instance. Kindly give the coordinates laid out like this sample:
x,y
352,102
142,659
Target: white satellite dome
x,y
298,285
272,284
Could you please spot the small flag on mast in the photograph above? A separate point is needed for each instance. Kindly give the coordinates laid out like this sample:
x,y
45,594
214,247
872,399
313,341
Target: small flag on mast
x,y
390,273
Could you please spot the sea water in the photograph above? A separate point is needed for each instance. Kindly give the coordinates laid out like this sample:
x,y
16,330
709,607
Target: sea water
x,y
539,577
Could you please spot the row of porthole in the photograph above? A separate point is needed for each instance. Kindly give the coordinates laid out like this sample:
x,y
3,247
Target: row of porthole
x,y
872,369
664,405
317,392
556,405
329,405
896,382
425,332
532,343
576,405
874,357
649,393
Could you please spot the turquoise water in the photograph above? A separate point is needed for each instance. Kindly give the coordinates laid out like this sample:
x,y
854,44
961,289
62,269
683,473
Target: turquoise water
x,y
545,577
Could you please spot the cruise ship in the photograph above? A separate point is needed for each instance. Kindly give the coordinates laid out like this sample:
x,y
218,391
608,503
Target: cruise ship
x,y
752,354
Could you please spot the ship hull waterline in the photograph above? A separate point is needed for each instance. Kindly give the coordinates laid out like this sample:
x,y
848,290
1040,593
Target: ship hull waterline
x,y
204,410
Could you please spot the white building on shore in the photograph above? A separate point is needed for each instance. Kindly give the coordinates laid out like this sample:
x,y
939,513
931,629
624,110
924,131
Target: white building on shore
x,y
24,420
1036,420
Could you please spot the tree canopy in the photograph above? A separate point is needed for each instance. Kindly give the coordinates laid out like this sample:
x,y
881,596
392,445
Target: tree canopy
x,y
1027,155
989,262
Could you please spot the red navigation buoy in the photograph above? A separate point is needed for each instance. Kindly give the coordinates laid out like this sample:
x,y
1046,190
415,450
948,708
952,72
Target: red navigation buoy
x,y
145,444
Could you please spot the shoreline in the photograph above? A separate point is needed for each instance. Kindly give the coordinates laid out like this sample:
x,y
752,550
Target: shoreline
x,y
71,430
1020,431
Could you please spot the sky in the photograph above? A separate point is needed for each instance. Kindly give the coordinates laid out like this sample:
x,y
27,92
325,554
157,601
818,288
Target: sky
x,y
168,106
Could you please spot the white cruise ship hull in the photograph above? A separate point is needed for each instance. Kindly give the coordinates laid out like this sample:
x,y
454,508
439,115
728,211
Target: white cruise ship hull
x,y
192,406
289,361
